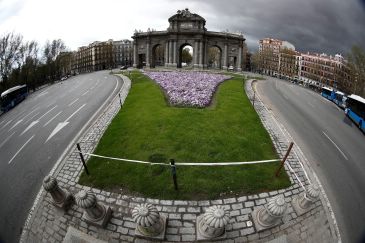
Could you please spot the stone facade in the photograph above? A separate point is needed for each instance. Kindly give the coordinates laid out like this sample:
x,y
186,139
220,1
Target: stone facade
x,y
187,29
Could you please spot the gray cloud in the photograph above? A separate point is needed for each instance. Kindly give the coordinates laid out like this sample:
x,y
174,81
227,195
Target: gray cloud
x,y
330,26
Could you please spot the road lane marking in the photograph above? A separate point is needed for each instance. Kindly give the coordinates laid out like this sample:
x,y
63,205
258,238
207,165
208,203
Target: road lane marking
x,y
85,93
47,112
6,124
30,113
32,117
52,118
2,144
335,145
20,149
29,127
75,112
62,124
16,124
73,102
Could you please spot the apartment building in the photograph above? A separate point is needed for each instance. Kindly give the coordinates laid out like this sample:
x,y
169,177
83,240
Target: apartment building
x,y
278,58
123,52
324,70
96,56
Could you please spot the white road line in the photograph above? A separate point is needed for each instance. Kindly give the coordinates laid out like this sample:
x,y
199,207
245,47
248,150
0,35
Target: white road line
x,y
30,113
2,122
7,124
75,112
73,102
335,146
47,112
2,144
32,117
21,149
85,93
52,118
16,124
29,127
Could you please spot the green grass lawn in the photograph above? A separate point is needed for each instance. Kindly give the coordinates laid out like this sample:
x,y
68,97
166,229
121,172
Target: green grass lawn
x,y
148,129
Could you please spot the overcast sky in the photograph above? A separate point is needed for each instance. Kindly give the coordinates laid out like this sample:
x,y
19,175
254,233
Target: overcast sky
x,y
330,26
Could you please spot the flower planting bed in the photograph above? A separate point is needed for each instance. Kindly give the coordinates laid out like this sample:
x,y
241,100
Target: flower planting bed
x,y
188,88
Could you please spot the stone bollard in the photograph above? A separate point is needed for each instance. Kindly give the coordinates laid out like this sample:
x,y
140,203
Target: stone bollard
x,y
95,213
302,203
212,224
270,215
149,223
61,198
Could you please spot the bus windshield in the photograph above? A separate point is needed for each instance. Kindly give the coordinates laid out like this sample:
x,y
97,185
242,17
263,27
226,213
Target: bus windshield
x,y
327,91
357,105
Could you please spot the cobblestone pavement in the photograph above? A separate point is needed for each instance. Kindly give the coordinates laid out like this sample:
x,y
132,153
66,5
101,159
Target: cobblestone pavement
x,y
48,224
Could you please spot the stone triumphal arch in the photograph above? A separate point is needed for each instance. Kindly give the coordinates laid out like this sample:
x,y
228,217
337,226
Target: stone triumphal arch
x,y
164,48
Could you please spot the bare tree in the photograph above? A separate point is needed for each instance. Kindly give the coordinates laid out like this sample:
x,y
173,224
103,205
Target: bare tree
x,y
10,53
214,57
357,69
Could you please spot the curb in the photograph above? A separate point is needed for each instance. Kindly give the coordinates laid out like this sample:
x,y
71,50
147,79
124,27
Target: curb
x,y
299,153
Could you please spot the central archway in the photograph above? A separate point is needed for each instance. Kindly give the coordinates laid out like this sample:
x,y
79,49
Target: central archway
x,y
186,56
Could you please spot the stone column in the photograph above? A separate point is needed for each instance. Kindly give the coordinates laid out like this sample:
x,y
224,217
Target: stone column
x,y
148,64
201,54
205,65
149,223
212,224
135,61
170,53
301,204
270,215
174,63
239,65
61,198
225,54
196,51
95,213
166,53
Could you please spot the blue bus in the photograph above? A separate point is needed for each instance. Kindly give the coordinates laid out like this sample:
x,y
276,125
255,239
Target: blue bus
x,y
355,109
340,99
13,96
328,93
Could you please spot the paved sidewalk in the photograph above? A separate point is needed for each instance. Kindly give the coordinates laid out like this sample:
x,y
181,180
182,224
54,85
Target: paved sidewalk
x,y
47,224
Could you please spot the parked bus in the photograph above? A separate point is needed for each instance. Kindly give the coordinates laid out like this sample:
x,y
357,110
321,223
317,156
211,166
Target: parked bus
x,y
12,97
328,93
355,109
340,99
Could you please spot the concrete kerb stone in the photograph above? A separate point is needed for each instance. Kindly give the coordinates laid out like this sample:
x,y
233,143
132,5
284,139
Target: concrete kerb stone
x,y
47,224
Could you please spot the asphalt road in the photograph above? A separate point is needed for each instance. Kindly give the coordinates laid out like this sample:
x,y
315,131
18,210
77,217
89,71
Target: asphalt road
x,y
35,134
334,146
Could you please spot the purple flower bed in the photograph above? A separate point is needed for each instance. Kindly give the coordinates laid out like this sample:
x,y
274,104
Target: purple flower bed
x,y
188,88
